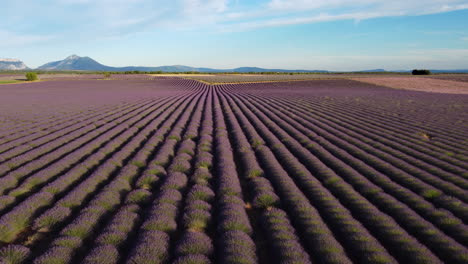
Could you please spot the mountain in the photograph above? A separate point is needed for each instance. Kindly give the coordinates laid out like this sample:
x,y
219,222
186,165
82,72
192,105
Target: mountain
x,y
78,63
374,70
74,62
12,64
450,71
255,69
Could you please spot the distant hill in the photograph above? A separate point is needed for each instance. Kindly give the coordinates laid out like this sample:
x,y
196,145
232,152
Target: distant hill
x,y
438,71
374,70
74,62
78,63
450,71
12,64
255,69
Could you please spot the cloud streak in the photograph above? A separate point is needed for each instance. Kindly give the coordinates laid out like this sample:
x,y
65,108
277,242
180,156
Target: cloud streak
x,y
289,12
102,19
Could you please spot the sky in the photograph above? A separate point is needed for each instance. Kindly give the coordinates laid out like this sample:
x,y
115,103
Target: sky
x,y
289,34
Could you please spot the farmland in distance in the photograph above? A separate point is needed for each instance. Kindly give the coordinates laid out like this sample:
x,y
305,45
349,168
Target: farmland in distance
x,y
151,169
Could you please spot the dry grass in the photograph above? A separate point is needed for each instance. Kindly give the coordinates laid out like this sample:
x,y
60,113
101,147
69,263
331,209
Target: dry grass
x,y
180,75
418,84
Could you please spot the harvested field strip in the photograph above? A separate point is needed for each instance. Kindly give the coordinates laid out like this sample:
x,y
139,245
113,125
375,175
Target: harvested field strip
x,y
248,173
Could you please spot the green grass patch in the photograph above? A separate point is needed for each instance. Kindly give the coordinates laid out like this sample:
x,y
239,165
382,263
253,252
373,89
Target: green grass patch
x,y
431,194
9,81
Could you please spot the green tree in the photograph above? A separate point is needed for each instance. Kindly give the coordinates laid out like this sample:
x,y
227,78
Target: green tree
x,y
421,72
31,76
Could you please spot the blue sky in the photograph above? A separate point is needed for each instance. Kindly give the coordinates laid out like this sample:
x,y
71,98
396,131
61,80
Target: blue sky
x,y
290,34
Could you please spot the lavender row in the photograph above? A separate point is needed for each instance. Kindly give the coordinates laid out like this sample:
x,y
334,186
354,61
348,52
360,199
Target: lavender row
x,y
444,219
33,141
367,97
104,203
68,140
161,217
284,241
233,228
409,123
368,118
35,163
69,154
74,198
42,129
11,133
408,145
387,145
442,245
195,242
413,251
10,219
37,179
47,125
366,122
395,129
357,241
418,186
146,181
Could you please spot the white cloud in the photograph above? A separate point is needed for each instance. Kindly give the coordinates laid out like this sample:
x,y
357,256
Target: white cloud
x,y
322,17
289,12
108,18
193,7
403,6
232,15
302,5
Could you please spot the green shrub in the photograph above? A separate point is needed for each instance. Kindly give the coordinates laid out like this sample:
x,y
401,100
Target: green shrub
x,y
421,72
14,254
107,75
431,194
31,76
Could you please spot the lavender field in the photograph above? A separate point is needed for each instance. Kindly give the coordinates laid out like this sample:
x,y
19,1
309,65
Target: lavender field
x,y
169,170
